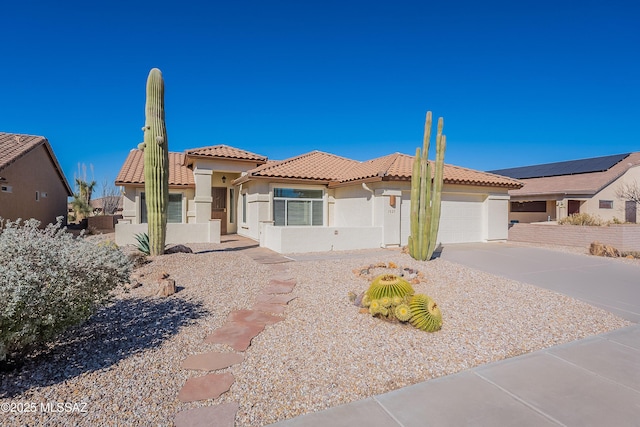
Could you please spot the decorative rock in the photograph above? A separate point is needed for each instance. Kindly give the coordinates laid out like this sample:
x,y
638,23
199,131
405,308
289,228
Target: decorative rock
x,y
223,415
209,386
212,361
178,249
166,287
237,335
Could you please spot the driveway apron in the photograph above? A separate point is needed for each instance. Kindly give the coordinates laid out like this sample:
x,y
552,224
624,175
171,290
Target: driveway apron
x,y
613,285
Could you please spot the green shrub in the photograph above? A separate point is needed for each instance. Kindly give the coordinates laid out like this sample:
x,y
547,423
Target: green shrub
x,y
50,281
583,219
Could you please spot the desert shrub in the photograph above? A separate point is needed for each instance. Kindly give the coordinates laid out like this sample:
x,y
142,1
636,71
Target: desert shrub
x,y
583,219
50,281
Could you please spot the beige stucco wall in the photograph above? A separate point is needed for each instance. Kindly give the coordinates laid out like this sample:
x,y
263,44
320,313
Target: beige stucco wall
x,y
131,203
592,205
34,172
371,216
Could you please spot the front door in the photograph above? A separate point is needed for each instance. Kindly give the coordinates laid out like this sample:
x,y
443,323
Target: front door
x,y
630,210
219,207
573,207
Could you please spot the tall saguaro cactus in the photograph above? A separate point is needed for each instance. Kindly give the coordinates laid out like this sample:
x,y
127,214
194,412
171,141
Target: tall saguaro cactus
x,y
156,163
426,194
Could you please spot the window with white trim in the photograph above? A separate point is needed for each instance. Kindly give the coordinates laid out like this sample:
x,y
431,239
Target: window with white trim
x,y
174,209
605,204
293,206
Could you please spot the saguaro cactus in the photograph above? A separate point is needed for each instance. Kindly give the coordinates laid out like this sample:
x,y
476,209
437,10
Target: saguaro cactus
x,y
156,163
426,194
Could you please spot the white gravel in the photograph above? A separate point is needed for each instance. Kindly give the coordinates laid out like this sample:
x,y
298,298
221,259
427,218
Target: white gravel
x,y
124,364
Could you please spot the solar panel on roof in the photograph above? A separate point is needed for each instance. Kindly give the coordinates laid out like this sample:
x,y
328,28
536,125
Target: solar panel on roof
x,y
571,167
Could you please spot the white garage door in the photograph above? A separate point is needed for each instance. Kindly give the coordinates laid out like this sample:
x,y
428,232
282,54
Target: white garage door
x,y
461,218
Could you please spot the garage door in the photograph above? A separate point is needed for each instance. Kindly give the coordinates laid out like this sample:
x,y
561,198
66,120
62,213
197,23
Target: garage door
x,y
461,218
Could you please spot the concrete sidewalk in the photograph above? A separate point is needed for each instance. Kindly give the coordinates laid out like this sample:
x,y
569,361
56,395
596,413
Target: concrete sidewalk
x,y
591,382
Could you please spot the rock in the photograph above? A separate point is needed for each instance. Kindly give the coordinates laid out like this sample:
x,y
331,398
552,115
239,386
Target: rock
x,y
166,287
178,249
599,249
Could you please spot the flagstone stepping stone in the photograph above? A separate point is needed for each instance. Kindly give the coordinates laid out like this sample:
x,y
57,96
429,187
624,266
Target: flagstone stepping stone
x,y
209,386
212,361
279,287
275,298
270,308
283,276
237,335
253,316
223,415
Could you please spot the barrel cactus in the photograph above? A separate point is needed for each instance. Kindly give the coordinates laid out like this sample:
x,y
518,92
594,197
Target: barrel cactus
x,y
156,163
390,286
425,313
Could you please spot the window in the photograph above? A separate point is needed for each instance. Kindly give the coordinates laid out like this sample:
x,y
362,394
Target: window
x,y
174,210
293,206
244,208
540,206
232,207
605,204
37,196
7,189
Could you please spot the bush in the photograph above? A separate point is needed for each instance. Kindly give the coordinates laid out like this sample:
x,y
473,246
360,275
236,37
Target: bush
x,y
50,281
583,219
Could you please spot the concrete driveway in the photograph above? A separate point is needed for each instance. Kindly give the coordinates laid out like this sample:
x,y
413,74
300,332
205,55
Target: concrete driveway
x,y
611,284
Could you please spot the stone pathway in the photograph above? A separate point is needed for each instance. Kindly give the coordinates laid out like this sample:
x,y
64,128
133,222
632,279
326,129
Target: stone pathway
x,y
239,329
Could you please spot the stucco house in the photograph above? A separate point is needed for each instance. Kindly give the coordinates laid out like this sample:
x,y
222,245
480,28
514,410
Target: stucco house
x,y
32,183
553,191
312,202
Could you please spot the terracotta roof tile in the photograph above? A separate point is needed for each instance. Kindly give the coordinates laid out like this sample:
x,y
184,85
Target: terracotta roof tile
x,y
225,152
13,146
315,165
584,183
321,166
132,171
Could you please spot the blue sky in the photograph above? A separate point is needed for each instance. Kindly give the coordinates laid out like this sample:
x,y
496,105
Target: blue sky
x,y
517,82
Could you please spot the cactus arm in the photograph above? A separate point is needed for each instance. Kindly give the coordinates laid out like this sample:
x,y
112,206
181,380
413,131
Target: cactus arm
x,y
425,192
415,197
441,143
156,163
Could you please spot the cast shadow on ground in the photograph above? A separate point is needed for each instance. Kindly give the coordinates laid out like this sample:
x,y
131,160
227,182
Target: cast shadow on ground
x,y
116,332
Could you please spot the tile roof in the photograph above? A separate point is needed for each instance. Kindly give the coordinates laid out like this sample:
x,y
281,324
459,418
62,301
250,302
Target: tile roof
x,y
132,171
579,184
315,165
225,152
319,166
13,146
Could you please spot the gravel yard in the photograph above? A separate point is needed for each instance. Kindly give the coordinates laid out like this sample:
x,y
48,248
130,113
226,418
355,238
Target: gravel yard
x,y
124,364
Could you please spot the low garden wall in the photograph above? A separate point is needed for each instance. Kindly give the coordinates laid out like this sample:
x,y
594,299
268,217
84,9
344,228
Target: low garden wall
x,y
624,237
103,222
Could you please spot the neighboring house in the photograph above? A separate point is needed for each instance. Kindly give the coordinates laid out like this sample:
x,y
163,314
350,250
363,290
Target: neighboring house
x,y
553,191
32,183
312,202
